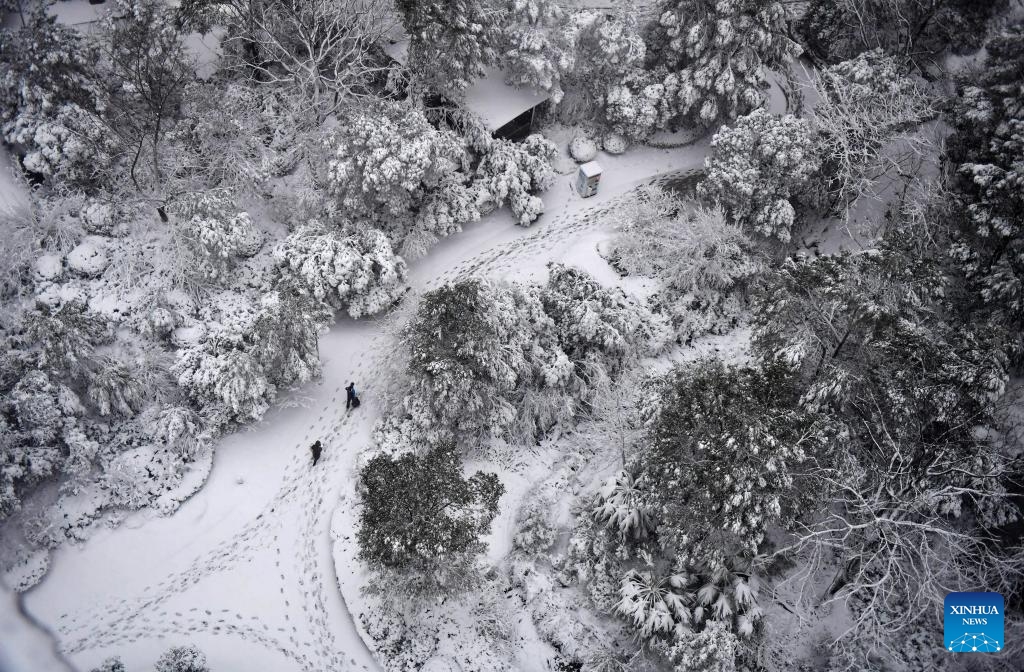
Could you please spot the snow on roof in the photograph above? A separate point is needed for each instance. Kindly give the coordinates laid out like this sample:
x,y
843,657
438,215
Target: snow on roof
x,y
490,98
591,168
498,103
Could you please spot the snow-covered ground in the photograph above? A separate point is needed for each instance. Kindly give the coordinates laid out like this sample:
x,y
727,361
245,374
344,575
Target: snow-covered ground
x,y
244,569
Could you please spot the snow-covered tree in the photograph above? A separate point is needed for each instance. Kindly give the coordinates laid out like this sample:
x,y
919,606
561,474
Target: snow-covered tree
x,y
987,146
145,69
515,172
358,272
208,232
323,53
716,52
756,167
236,372
390,164
451,42
595,324
717,467
182,659
420,514
920,486
653,605
609,49
536,46
866,120
921,30
49,100
112,664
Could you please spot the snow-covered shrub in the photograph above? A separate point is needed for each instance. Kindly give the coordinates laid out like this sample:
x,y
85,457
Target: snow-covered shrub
x,y
713,649
182,659
178,429
112,664
208,233
64,338
717,51
135,478
221,377
687,599
653,604
23,461
98,217
756,167
358,272
515,172
613,143
583,149
535,532
536,45
89,258
48,268
113,388
621,508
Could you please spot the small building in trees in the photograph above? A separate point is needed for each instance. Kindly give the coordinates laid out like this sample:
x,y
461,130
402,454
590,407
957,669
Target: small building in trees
x,y
507,111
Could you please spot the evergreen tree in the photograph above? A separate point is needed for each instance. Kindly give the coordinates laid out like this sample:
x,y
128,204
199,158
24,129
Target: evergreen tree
x,y
756,167
451,42
716,52
420,514
986,150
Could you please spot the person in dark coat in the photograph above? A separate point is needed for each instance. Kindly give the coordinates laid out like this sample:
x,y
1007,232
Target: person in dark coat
x,y
316,448
350,396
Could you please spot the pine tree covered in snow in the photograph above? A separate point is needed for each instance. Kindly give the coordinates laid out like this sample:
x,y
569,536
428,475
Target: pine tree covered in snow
x,y
450,41
756,167
609,52
358,272
987,150
718,465
421,514
537,45
716,52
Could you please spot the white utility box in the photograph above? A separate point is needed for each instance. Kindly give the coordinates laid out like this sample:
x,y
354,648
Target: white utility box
x,y
588,178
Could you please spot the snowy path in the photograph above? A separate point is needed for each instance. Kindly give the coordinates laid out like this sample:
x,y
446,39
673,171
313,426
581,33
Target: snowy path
x,y
244,569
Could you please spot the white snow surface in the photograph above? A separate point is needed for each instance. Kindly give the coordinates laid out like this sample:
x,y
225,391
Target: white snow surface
x,y
244,569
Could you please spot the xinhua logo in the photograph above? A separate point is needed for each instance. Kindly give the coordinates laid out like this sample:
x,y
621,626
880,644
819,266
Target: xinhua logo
x,y
973,622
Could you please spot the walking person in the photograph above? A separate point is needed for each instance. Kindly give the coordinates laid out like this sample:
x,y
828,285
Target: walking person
x,y
351,400
316,449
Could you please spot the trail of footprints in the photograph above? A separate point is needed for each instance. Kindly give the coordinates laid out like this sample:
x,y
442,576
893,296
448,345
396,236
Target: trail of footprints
x,y
315,648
